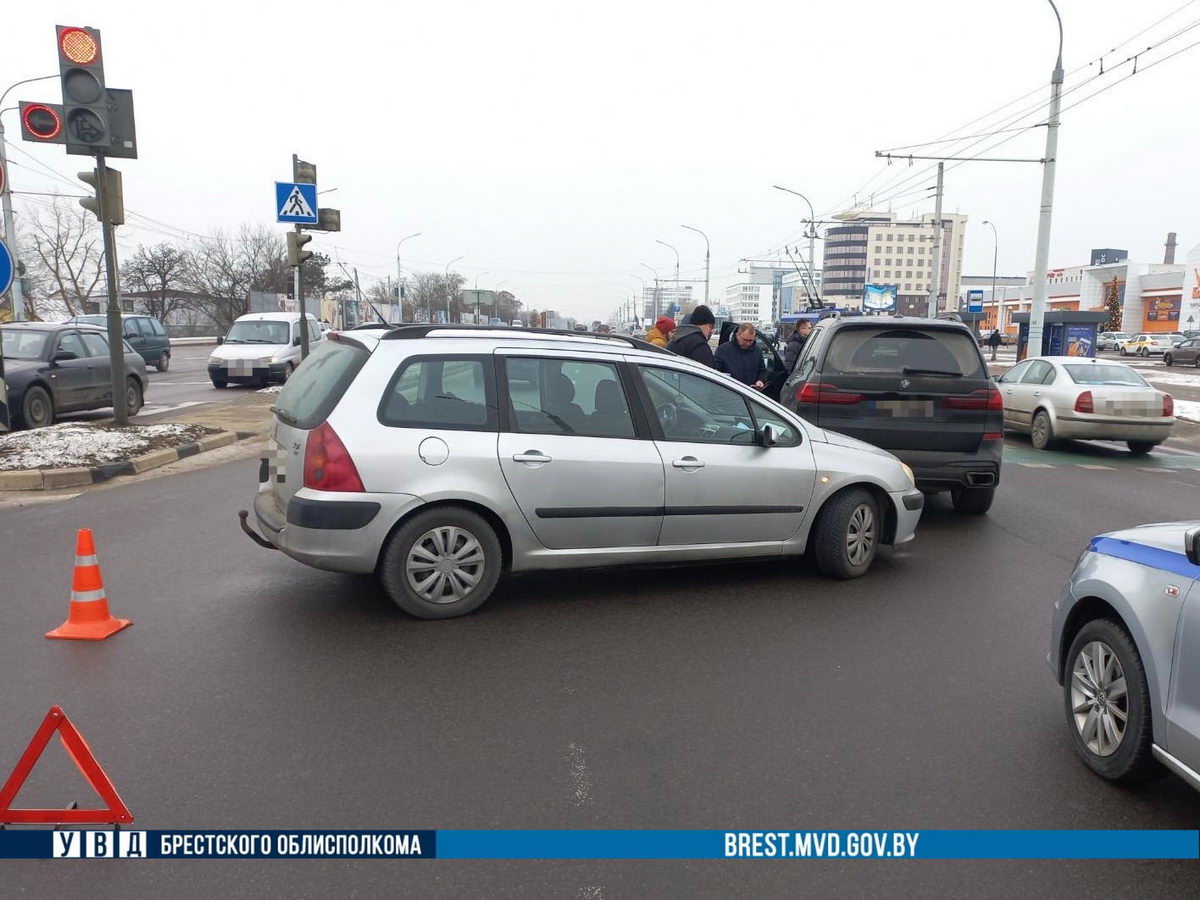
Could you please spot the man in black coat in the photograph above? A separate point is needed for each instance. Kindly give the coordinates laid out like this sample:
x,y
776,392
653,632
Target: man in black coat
x,y
742,359
795,344
692,340
994,341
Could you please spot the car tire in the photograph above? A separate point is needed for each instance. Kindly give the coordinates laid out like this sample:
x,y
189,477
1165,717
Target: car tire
x,y
1124,352
846,534
1196,361
164,362
134,397
423,541
1041,432
1129,758
37,408
1145,352
973,501
287,373
1141,448
219,382
1167,359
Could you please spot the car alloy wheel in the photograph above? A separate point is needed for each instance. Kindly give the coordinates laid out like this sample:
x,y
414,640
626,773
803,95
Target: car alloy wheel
x,y
860,535
444,564
1041,434
1099,698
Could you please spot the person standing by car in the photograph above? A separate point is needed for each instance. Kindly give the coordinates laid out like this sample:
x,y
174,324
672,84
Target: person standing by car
x,y
795,344
994,341
741,358
660,331
692,340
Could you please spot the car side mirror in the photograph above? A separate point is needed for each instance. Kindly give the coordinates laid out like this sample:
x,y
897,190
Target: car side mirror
x,y
770,435
296,341
63,355
220,340
1191,542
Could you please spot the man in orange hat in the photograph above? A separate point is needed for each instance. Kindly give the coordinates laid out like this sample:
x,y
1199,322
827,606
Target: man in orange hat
x,y
660,333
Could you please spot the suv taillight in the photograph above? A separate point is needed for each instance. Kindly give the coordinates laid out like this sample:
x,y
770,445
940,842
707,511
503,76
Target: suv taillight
x,y
327,465
814,392
989,399
1083,403
1168,405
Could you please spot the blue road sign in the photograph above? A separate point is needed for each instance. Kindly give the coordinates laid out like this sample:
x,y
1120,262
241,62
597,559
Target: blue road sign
x,y
975,301
296,203
7,268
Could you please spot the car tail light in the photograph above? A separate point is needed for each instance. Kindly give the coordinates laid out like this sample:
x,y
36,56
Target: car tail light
x,y
982,399
1083,403
1168,405
813,392
327,465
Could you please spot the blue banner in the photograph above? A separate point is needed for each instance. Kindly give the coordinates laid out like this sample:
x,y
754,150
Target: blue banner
x,y
614,844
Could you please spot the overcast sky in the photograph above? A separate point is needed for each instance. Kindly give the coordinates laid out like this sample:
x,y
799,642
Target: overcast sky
x,y
551,143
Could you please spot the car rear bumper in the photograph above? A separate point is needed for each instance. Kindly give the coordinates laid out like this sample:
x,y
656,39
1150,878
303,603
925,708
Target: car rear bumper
x,y
335,532
1109,429
937,470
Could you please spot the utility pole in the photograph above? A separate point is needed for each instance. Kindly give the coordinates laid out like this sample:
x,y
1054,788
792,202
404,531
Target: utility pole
x,y
116,335
1037,314
936,287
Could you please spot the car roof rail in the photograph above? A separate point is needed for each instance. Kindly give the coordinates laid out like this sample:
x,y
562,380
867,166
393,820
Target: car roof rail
x,y
411,332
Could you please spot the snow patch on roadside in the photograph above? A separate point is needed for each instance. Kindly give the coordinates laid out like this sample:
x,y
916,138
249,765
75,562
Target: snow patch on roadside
x,y
1179,379
1188,409
273,389
63,446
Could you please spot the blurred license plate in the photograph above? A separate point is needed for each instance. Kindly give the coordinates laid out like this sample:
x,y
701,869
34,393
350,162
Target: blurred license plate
x,y
903,408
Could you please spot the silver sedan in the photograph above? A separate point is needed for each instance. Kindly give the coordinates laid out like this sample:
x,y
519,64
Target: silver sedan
x,y
1071,397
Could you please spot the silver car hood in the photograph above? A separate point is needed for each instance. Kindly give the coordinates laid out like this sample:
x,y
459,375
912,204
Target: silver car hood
x,y
247,351
841,440
1163,535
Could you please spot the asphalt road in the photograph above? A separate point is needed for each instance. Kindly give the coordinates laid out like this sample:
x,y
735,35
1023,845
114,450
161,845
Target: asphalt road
x,y
253,692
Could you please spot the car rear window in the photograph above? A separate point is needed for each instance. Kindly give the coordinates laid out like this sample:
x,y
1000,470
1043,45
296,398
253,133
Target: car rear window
x,y
903,351
1105,374
314,389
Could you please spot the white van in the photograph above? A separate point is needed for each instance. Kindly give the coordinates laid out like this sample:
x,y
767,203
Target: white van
x,y
261,348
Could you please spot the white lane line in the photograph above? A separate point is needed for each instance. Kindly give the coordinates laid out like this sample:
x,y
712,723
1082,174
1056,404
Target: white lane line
x,y
190,383
1091,466
1036,465
1148,469
581,777
156,408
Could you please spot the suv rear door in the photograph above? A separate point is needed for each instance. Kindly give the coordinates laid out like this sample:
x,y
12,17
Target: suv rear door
x,y
899,386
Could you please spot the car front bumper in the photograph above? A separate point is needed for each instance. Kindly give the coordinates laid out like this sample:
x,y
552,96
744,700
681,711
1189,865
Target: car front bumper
x,y
908,506
247,371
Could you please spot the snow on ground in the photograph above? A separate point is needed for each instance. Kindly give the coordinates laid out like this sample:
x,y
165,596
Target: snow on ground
x,y
1188,409
273,389
62,446
1181,379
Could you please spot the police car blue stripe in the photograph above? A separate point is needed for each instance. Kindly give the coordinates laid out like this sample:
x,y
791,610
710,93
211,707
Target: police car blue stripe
x,y
1154,557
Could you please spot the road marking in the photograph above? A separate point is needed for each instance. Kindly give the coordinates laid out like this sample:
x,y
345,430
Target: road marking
x,y
157,408
581,778
1148,469
1037,465
190,383
1105,468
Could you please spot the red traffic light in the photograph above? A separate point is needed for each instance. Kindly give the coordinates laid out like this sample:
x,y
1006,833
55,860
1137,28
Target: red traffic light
x,y
79,45
42,122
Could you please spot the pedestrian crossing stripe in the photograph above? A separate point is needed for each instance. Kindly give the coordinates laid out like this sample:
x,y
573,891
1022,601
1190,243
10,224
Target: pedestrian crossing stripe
x,y
296,205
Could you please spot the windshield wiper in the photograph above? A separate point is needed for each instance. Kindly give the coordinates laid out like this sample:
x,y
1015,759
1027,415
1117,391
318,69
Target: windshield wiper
x,y
234,341
916,370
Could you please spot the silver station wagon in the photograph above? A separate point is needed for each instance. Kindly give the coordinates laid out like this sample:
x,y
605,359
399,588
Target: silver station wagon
x,y
1125,646
441,457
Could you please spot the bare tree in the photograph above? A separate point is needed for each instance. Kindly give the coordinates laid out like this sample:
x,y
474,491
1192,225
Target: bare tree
x,y
429,290
225,268
158,275
66,249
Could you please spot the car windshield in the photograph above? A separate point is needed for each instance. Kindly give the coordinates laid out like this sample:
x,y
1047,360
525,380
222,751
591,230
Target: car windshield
x,y
1112,373
260,332
22,344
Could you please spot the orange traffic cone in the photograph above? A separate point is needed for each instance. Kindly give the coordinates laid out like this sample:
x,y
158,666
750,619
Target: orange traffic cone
x,y
89,618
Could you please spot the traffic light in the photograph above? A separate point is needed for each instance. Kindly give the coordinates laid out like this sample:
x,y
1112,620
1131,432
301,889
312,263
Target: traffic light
x,y
85,104
295,242
42,123
109,198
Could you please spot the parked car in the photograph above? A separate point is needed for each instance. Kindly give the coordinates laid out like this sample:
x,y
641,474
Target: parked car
x,y
1125,646
1177,338
1053,397
261,348
1111,340
1145,345
1185,353
51,369
145,334
440,458
918,388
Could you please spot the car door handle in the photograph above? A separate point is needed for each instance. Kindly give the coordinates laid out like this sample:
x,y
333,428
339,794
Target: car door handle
x,y
531,456
688,462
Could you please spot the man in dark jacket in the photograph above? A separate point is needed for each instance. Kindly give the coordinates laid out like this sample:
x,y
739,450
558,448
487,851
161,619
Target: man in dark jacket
x,y
742,359
994,341
795,344
692,340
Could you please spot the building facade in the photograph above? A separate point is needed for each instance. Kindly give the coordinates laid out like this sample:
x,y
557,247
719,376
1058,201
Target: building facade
x,y
667,299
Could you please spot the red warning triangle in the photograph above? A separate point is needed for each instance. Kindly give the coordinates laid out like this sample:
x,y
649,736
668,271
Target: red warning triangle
x,y
56,721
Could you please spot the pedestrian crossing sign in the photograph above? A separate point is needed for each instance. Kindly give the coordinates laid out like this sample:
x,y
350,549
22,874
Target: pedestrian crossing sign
x,y
296,203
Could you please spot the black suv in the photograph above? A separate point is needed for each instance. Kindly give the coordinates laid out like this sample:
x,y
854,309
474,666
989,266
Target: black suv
x,y
918,388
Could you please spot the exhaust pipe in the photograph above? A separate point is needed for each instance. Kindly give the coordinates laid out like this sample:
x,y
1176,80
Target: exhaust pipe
x,y
981,479
262,542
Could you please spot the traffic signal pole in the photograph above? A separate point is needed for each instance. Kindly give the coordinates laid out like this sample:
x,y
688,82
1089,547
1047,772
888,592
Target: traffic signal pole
x,y
300,300
116,331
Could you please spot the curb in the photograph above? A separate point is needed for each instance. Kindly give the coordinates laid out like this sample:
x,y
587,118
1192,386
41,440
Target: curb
x,y
55,479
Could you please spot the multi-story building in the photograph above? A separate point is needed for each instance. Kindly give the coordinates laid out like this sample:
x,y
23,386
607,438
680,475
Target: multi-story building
x,y
874,247
668,298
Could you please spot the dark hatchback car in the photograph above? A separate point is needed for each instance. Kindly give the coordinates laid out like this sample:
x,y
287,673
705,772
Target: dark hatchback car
x,y
918,388
1185,353
145,334
57,368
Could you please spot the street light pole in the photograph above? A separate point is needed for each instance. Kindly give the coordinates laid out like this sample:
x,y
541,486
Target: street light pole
x,y
399,271
995,256
446,285
811,235
706,260
1037,314
676,252
477,277
655,273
